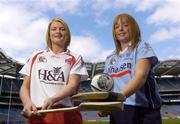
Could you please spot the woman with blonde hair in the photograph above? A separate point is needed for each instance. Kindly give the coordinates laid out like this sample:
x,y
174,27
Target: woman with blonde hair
x,y
51,77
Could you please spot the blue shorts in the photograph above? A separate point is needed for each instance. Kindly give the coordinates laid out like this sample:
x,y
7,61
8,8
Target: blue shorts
x,y
136,115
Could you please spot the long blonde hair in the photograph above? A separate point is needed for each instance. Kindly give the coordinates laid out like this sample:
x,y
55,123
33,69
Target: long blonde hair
x,y
134,32
68,34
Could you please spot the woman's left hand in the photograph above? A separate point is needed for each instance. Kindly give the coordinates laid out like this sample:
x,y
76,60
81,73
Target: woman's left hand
x,y
48,103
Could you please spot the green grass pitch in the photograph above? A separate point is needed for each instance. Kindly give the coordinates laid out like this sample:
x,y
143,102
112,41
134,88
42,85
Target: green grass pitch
x,y
164,121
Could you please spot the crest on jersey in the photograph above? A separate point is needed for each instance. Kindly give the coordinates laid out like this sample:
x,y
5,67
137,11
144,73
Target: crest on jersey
x,y
42,59
56,70
112,61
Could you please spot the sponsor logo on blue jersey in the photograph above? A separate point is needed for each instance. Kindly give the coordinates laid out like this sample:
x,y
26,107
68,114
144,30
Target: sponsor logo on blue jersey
x,y
122,67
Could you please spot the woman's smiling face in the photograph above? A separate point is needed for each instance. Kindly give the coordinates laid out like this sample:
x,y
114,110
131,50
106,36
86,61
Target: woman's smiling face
x,y
121,29
58,33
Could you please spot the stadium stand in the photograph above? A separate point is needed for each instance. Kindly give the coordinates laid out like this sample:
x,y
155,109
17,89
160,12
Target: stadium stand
x,y
9,66
85,86
167,75
10,82
168,67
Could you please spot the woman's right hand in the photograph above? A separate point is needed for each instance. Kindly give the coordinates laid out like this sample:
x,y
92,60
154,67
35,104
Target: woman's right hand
x,y
103,113
29,110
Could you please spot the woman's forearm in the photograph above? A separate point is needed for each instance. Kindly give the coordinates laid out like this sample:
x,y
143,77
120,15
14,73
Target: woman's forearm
x,y
140,77
24,95
133,85
25,91
69,89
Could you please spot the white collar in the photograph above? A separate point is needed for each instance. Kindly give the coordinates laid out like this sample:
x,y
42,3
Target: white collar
x,y
51,53
122,52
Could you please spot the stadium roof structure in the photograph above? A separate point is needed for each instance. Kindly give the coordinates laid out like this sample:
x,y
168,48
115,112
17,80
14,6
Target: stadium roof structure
x,y
9,66
168,67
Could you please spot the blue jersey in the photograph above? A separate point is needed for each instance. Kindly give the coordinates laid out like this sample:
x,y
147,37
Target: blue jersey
x,y
122,68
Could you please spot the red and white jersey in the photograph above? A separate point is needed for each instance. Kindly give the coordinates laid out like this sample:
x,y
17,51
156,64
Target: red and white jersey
x,y
49,74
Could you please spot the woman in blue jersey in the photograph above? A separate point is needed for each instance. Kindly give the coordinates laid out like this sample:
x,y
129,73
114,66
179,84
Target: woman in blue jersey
x,y
131,67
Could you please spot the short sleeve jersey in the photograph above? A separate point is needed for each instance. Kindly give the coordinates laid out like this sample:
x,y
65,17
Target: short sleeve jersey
x,y
122,68
49,74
